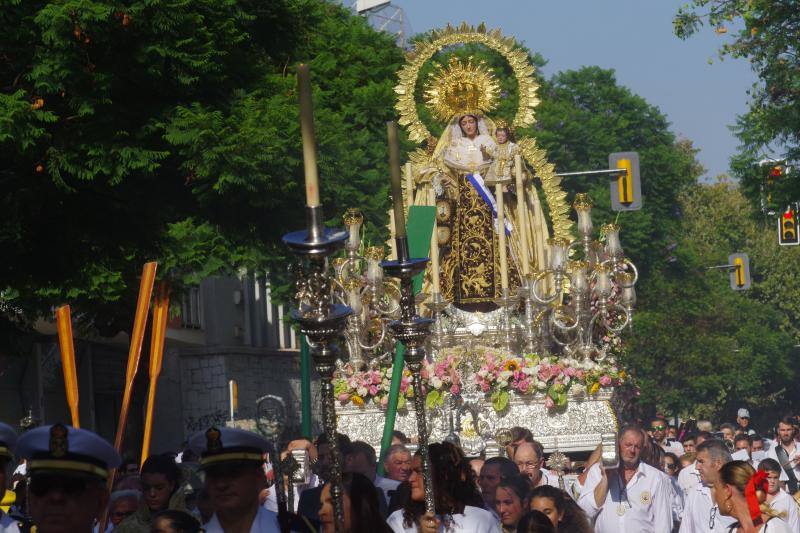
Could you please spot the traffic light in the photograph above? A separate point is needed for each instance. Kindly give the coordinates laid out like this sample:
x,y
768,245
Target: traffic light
x,y
740,271
626,190
788,229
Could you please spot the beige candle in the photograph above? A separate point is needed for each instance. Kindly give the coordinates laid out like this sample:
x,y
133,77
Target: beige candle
x,y
501,236
409,185
309,139
435,259
395,177
521,218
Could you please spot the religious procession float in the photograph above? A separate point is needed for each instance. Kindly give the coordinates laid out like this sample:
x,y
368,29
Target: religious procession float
x,y
491,308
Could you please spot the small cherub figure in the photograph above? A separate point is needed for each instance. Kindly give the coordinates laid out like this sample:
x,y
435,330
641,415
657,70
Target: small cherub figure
x,y
503,153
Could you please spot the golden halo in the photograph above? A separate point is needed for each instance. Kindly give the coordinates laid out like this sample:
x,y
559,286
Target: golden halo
x,y
425,49
461,88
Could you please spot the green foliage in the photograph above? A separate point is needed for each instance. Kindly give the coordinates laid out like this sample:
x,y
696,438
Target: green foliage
x,y
767,34
168,130
714,348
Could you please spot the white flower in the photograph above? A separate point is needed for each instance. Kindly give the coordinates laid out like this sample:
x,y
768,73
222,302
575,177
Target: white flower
x,y
505,374
436,382
362,391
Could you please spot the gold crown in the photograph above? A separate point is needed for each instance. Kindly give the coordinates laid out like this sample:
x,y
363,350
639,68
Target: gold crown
x,y
461,88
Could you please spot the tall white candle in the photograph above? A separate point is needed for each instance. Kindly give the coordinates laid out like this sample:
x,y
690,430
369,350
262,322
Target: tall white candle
x,y
435,259
409,185
521,217
309,139
501,236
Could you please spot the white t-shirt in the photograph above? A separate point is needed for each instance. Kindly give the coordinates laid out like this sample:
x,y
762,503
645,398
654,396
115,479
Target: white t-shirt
x,y
784,503
265,522
773,454
643,505
474,520
8,524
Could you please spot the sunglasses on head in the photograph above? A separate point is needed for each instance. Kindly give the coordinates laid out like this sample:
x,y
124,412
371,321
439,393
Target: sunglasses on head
x,y
41,484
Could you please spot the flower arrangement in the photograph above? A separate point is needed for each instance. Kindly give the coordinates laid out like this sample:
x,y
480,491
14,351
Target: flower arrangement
x,y
490,371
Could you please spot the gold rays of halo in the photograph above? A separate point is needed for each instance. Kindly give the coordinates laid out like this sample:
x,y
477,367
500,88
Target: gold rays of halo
x,y
438,39
462,87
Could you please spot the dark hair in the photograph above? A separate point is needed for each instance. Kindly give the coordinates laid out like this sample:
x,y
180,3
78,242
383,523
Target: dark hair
x,y
165,465
342,441
652,452
660,419
727,425
707,435
690,436
535,522
520,485
364,508
743,436
361,447
770,465
399,435
506,465
509,133
788,420
454,485
181,521
521,433
574,518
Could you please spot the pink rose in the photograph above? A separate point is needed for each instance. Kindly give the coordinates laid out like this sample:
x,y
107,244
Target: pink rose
x,y
605,381
485,387
523,385
580,374
343,397
384,401
454,389
569,371
549,403
373,390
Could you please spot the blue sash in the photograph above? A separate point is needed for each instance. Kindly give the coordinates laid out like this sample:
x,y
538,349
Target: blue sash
x,y
476,180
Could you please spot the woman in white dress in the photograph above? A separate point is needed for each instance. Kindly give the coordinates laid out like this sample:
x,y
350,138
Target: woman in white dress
x,y
741,493
456,497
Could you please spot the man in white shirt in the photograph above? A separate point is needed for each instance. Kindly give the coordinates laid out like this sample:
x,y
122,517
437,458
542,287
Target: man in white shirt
x,y
688,478
743,444
785,451
658,431
778,499
701,515
232,460
360,457
632,498
529,458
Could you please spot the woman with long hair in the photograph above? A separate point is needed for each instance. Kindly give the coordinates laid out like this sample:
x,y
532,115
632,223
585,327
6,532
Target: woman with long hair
x,y
535,522
360,504
741,493
561,509
456,498
512,501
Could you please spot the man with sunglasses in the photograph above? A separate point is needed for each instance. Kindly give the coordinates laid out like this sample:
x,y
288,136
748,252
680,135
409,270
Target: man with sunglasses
x,y
232,460
8,439
658,431
68,469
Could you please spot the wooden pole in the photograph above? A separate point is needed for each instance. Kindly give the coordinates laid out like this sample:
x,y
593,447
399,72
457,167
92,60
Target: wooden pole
x,y
158,335
135,349
64,322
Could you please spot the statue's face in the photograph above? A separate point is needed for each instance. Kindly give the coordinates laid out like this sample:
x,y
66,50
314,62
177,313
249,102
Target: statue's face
x,y
502,136
468,125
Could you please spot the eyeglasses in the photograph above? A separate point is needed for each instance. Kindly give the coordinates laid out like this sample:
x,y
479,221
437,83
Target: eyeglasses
x,y
530,465
658,428
671,466
712,517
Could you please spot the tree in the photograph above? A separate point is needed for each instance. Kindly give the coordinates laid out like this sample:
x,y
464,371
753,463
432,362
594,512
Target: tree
x,y
169,130
767,33
715,349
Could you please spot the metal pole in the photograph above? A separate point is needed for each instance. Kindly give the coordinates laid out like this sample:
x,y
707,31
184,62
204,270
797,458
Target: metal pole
x,y
305,387
609,172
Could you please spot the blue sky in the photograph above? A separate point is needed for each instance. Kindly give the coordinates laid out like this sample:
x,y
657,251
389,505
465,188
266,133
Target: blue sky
x,y
633,37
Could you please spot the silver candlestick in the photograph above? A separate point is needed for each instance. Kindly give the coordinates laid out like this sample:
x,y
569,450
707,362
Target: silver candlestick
x,y
413,330
322,322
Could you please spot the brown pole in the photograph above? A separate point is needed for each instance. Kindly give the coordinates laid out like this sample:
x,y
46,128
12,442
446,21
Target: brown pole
x,y
64,323
158,334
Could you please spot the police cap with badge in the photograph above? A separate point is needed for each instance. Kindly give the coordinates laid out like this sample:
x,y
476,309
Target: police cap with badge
x,y
65,450
8,439
223,446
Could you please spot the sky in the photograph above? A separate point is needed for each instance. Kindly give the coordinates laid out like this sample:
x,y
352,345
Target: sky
x,y
633,37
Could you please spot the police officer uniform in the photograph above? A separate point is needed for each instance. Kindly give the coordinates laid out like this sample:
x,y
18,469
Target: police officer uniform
x,y
220,446
68,458
8,440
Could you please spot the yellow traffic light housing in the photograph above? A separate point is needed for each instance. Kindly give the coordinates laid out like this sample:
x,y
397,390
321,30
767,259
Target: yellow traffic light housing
x,y
739,265
625,182
626,191
788,229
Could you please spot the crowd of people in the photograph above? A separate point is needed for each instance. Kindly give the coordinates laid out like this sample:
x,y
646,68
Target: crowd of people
x,y
687,479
